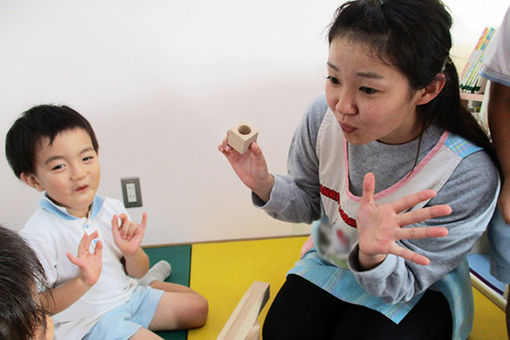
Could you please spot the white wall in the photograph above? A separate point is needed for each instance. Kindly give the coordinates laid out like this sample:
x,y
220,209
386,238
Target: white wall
x,y
161,82
470,18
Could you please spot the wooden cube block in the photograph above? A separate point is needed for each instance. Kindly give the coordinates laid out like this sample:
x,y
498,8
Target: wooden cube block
x,y
241,136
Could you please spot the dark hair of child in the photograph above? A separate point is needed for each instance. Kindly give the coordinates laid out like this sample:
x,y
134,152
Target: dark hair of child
x,y
22,316
35,124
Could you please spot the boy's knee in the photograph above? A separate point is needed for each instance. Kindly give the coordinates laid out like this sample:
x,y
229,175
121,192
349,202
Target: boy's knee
x,y
201,310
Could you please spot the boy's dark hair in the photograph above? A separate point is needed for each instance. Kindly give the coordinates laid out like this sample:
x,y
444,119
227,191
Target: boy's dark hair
x,y
35,124
22,273
414,36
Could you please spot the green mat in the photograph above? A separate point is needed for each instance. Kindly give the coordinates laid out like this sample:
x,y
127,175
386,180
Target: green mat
x,y
179,258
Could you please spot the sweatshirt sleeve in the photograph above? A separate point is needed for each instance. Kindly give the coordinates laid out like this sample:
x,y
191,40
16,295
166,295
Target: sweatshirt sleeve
x,y
472,197
295,196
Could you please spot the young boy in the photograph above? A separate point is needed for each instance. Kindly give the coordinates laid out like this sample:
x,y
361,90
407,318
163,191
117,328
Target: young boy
x,y
22,273
87,244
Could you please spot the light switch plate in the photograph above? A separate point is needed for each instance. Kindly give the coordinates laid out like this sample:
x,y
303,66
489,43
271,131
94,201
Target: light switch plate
x,y
131,192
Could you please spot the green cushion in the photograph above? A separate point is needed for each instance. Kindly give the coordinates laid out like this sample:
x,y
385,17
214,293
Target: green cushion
x,y
179,258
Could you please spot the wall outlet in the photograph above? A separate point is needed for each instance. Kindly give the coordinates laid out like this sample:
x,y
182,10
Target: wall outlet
x,y
131,192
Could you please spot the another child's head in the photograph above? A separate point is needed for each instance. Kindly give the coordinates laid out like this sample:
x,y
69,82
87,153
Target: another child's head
x,y
22,316
412,37
54,149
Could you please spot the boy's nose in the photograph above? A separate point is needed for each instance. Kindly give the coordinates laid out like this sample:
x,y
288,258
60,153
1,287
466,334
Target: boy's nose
x,y
78,172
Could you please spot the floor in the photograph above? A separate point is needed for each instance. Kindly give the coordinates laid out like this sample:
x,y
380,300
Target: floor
x,y
223,271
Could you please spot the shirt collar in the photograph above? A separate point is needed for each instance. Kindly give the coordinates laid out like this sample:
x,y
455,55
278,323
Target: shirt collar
x,y
61,212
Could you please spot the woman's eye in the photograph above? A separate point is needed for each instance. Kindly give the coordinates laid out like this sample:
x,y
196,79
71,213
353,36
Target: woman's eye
x,y
367,90
333,80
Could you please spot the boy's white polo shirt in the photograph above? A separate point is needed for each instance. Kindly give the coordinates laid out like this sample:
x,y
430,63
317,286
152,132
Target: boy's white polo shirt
x,y
52,232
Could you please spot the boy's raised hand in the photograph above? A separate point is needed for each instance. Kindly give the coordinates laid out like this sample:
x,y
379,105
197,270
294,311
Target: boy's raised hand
x,y
129,235
90,264
380,226
251,167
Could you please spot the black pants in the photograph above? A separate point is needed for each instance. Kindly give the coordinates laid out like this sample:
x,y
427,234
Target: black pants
x,y
302,310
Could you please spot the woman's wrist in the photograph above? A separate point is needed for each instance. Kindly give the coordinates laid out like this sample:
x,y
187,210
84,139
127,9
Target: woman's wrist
x,y
367,262
263,191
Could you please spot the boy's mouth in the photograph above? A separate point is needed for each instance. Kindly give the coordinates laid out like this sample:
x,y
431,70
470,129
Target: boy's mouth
x,y
82,188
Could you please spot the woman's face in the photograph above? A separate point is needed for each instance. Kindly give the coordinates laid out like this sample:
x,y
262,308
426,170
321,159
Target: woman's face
x,y
370,99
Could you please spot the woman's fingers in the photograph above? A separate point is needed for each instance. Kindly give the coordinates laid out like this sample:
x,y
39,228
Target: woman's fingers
x,y
409,255
224,147
368,188
409,201
420,215
420,232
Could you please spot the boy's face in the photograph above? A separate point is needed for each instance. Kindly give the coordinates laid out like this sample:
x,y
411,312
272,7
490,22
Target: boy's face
x,y
68,170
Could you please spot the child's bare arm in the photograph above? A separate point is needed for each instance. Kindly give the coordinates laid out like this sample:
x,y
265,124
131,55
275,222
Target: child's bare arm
x,y
128,237
499,122
137,265
64,296
90,270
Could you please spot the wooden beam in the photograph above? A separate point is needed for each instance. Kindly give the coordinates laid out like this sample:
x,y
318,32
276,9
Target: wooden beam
x,y
242,323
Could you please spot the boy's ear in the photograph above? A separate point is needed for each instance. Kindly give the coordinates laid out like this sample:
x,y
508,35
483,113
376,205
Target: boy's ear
x,y
31,181
432,89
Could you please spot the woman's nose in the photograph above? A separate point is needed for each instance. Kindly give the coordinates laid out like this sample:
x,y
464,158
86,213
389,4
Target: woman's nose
x,y
346,104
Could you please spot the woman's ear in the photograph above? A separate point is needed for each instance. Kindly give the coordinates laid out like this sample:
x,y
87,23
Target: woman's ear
x,y
31,181
432,90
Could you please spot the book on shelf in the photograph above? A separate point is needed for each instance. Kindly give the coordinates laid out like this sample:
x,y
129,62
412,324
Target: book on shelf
x,y
470,79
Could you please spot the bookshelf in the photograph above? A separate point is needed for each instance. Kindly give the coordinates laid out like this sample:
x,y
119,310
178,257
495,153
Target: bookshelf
x,y
476,103
474,89
470,79
477,97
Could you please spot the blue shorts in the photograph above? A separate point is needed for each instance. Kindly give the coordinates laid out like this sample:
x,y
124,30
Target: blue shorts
x,y
499,238
124,321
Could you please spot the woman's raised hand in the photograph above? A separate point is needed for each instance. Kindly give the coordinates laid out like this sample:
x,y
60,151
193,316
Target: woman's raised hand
x,y
380,226
251,167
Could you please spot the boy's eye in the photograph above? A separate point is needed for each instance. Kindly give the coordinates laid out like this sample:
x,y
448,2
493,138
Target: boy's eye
x,y
333,80
367,90
58,167
88,158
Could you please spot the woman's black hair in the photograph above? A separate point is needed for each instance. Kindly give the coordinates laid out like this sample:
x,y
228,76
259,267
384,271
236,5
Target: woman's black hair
x,y
414,36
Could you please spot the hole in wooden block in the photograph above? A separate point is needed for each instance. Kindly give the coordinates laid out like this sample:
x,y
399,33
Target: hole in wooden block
x,y
241,136
244,130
